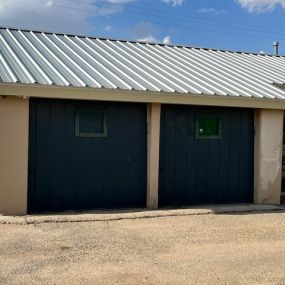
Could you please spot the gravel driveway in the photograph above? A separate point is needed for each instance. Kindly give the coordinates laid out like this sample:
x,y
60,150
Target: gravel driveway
x,y
198,249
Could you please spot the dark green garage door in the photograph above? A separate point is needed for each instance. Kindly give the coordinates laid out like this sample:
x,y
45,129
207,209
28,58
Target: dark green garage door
x,y
86,155
206,155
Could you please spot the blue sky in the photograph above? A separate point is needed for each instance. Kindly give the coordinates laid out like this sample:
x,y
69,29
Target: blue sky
x,y
246,25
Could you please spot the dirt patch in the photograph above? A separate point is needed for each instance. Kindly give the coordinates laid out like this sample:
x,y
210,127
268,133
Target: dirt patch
x,y
202,249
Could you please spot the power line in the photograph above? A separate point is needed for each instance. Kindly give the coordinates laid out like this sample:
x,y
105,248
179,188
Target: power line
x,y
208,24
202,29
153,11
162,23
160,16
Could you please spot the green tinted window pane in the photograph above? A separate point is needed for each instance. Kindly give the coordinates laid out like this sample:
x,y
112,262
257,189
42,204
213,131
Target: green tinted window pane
x,y
208,127
90,123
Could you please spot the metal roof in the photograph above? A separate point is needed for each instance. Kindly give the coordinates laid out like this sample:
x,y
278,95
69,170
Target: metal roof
x,y
31,57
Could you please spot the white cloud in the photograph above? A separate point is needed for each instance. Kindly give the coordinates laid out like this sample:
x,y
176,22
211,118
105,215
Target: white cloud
x,y
212,11
260,6
108,28
49,3
58,16
143,30
166,40
119,1
174,2
148,32
149,39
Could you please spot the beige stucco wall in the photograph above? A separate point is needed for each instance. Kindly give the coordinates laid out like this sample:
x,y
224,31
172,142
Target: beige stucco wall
x,y
268,156
14,126
153,138
14,116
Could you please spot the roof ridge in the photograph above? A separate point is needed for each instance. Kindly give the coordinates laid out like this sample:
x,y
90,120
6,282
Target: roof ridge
x,y
136,42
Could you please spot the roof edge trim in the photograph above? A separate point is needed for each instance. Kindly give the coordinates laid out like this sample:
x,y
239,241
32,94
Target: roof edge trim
x,y
77,93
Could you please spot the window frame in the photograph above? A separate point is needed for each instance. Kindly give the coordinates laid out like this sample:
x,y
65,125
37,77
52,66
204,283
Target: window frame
x,y
198,136
77,132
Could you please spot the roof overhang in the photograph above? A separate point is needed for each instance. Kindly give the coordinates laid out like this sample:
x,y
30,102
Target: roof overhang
x,y
79,93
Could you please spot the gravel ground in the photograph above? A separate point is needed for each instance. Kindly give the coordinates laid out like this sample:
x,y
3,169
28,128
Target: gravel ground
x,y
201,249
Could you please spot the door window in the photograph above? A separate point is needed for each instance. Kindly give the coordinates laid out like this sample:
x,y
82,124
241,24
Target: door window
x,y
90,123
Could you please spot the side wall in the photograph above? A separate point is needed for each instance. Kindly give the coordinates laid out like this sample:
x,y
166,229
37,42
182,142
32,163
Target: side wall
x,y
14,127
268,156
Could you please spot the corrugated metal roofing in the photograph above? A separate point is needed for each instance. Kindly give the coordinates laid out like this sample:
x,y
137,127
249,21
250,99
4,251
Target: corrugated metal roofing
x,y
31,57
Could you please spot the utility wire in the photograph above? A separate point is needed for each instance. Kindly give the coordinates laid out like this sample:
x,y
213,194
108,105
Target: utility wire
x,y
159,12
162,23
96,5
197,22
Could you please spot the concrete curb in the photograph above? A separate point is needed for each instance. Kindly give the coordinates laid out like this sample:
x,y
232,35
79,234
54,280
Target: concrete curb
x,y
100,216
